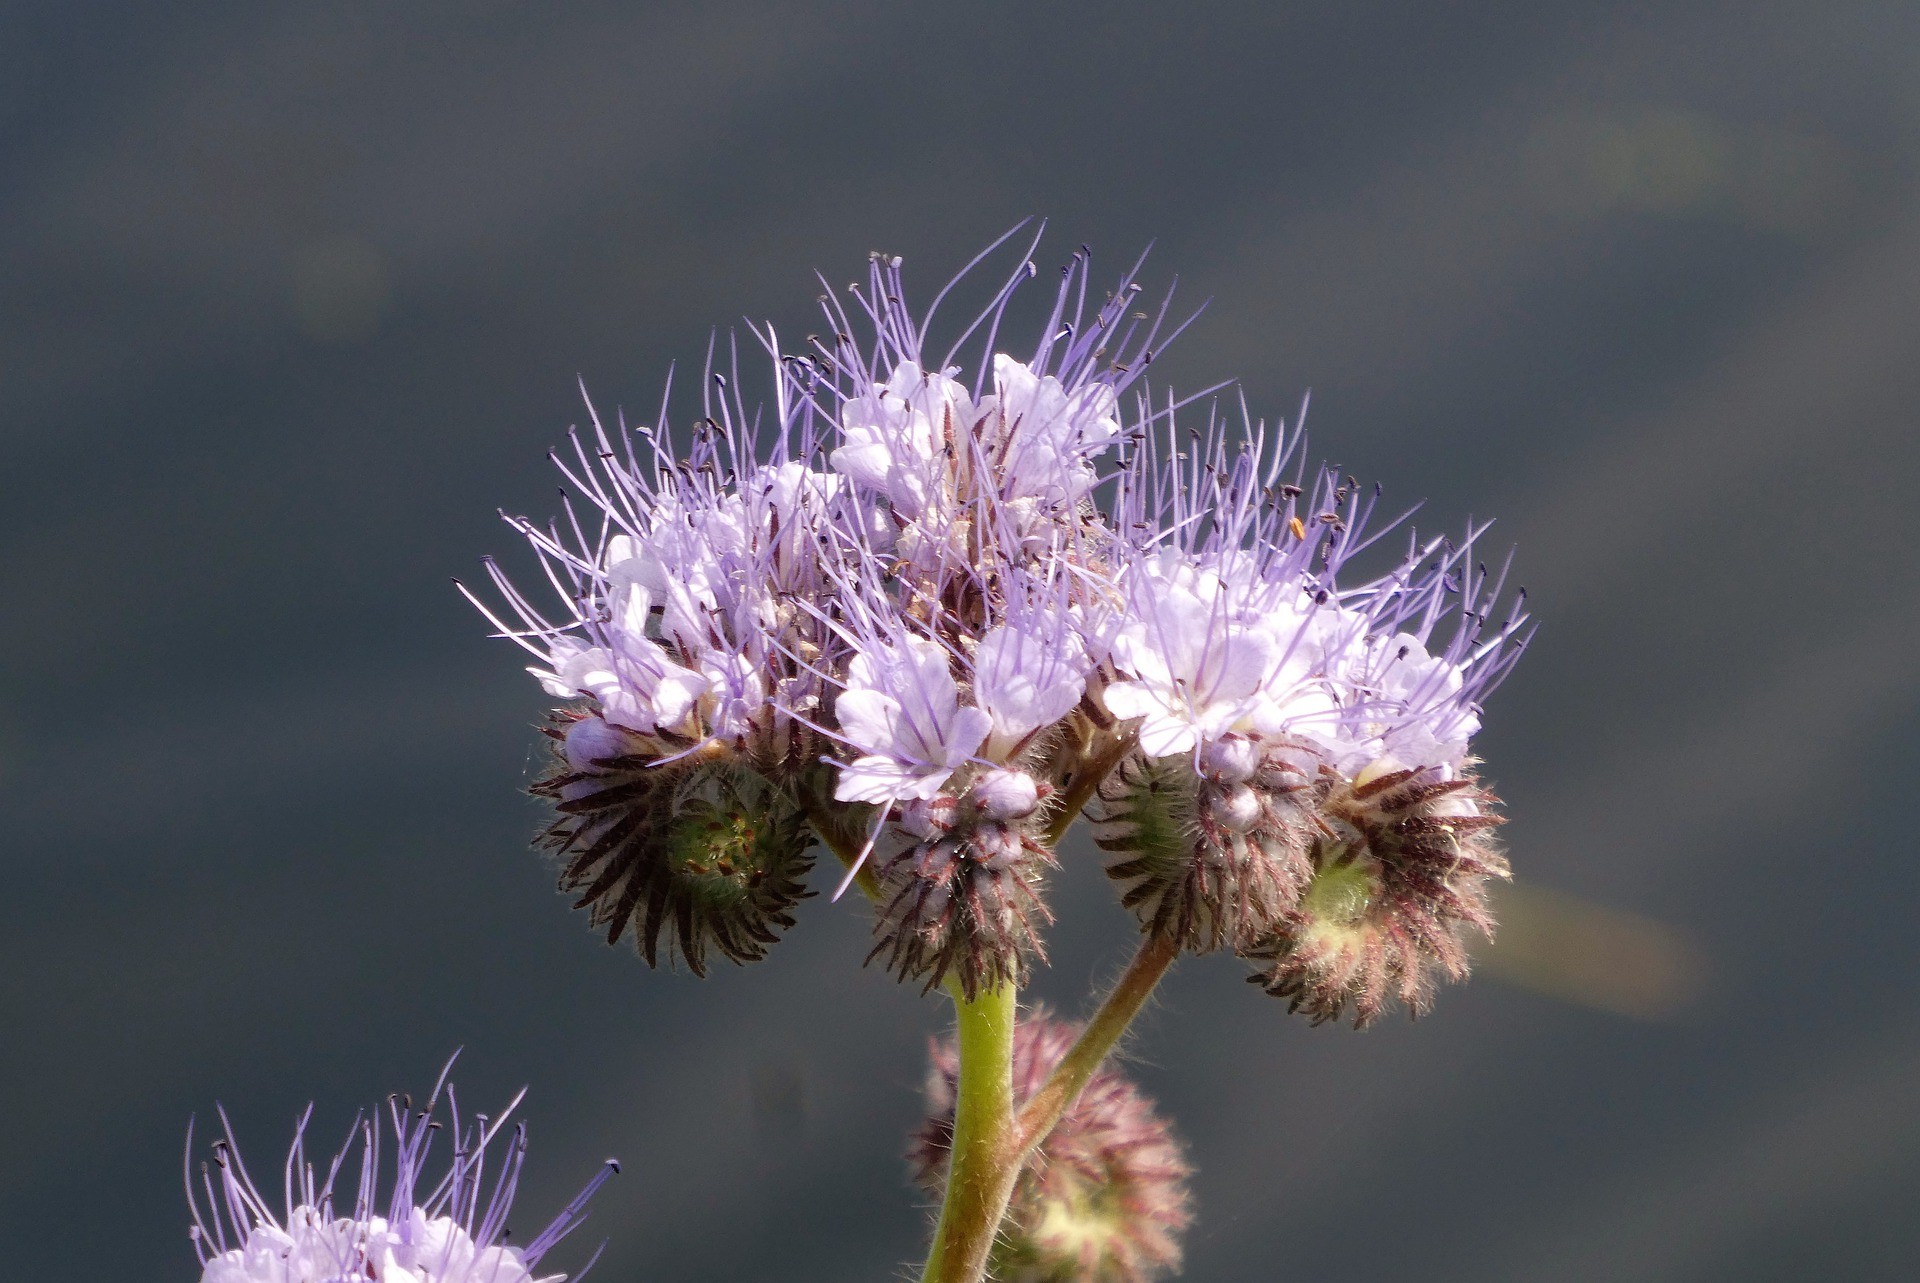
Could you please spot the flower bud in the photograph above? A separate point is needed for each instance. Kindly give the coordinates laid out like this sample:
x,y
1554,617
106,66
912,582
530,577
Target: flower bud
x,y
1235,808
703,852
1209,858
592,743
1006,795
1103,1200
1390,898
928,817
964,901
1230,759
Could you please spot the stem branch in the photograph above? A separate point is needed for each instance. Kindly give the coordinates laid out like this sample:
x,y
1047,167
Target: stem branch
x,y
1044,1108
844,849
1102,756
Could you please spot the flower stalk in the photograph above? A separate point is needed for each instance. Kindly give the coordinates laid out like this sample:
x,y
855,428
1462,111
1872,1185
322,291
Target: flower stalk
x,y
987,1149
991,1140
1097,762
1123,1002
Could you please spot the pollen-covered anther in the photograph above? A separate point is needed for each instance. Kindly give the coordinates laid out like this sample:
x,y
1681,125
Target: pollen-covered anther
x,y
1209,858
1105,1197
966,903
1391,897
701,853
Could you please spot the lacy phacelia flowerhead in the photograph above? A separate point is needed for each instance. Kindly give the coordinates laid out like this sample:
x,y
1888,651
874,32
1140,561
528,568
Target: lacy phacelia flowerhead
x,y
939,600
1104,1200
1406,844
1258,677
449,1226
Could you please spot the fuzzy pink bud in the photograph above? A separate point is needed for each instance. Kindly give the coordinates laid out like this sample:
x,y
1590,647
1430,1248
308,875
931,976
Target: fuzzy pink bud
x,y
1006,795
1231,760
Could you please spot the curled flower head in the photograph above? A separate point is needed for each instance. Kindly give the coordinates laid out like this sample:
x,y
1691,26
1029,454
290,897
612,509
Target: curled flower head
x,y
1261,678
1105,1198
1394,889
684,595
702,852
447,1227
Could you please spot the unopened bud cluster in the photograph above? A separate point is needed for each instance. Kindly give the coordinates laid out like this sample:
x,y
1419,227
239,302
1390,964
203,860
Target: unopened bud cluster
x,y
930,613
1209,853
963,896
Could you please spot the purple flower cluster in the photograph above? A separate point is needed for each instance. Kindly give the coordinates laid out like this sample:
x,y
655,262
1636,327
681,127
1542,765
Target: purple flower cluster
x,y
446,1228
935,608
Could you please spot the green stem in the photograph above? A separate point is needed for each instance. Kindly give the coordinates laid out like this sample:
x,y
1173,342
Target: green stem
x,y
1101,757
985,1160
1044,1108
844,849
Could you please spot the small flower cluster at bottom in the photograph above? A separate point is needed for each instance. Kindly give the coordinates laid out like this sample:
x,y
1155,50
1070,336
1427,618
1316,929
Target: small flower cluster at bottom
x,y
450,1228
1103,1200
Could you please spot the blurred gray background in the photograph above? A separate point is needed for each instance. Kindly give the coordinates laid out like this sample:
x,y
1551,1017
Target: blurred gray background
x,y
293,297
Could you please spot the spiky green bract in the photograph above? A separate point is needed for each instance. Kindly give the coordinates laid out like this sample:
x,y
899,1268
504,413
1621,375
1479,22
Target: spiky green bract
x,y
1209,856
1392,895
1103,1199
963,901
703,853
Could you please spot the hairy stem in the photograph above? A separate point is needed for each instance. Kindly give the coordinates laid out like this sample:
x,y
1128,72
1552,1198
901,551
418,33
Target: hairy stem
x,y
845,849
1044,1108
1102,755
986,1156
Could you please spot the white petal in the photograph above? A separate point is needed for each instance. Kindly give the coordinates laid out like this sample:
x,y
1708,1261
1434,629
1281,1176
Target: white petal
x,y
1162,736
1128,700
884,779
1026,682
965,733
867,718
